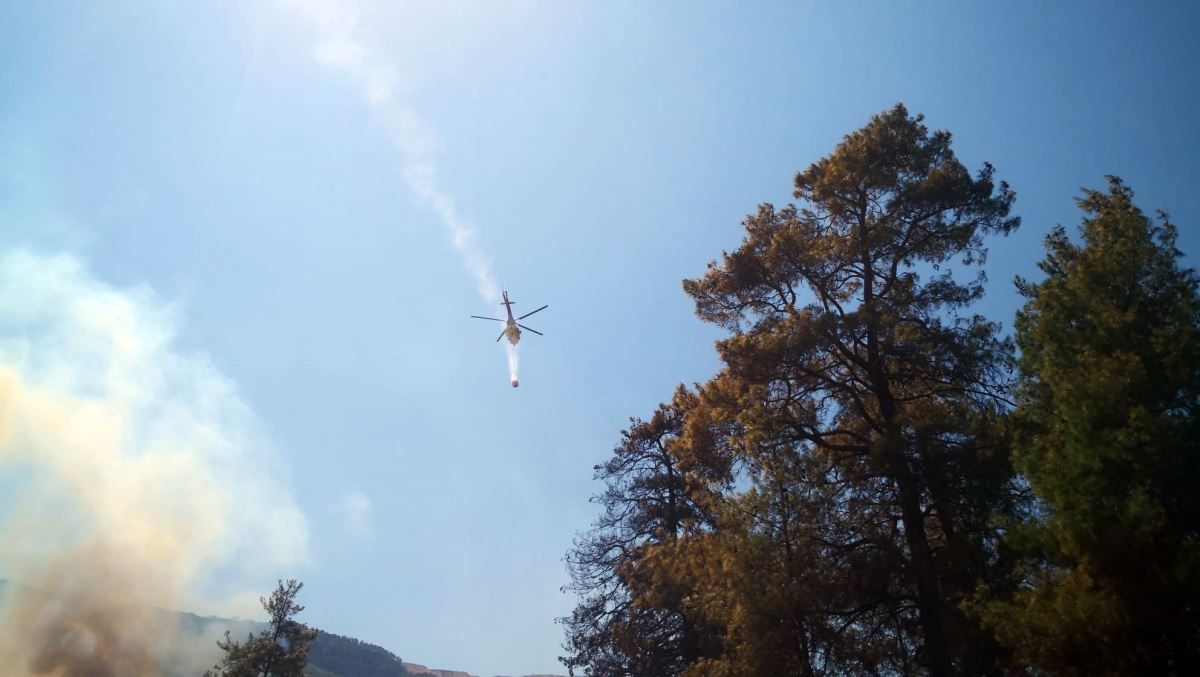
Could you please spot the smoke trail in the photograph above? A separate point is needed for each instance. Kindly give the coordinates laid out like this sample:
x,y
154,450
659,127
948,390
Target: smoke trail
x,y
133,475
338,45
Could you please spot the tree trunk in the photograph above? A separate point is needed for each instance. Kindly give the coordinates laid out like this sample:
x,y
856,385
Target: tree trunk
x,y
921,571
920,559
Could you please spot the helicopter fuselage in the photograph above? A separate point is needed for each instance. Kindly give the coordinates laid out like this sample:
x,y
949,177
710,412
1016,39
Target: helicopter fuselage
x,y
512,331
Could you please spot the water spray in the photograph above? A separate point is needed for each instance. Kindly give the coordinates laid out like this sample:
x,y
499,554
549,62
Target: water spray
x,y
514,361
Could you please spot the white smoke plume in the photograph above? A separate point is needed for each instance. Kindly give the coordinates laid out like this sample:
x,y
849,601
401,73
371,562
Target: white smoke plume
x,y
339,45
133,475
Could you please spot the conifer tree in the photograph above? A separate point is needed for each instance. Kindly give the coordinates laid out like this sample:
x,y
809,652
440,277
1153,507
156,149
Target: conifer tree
x,y
853,352
1110,408
280,650
615,629
847,461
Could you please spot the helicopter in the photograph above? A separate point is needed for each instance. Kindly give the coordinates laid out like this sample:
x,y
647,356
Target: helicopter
x,y
512,328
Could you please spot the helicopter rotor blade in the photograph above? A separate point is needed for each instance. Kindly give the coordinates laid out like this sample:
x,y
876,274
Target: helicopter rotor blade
x,y
528,329
532,312
480,317
500,336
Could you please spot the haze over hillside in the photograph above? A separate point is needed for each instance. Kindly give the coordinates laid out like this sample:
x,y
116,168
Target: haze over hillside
x,y
331,655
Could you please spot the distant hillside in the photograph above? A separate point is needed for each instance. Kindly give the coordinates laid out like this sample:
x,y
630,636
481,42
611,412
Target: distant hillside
x,y
331,655
418,669
349,657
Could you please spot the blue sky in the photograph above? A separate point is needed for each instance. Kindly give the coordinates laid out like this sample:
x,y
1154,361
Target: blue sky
x,y
204,153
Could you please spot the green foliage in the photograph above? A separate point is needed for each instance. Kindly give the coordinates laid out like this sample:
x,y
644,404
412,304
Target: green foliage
x,y
1110,443
280,650
348,656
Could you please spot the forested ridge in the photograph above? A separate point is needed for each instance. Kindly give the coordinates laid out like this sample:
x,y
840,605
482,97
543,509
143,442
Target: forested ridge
x,y
329,654
878,480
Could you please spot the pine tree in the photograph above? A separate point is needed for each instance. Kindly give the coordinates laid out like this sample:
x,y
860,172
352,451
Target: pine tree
x,y
845,465
280,650
1110,406
854,363
616,629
